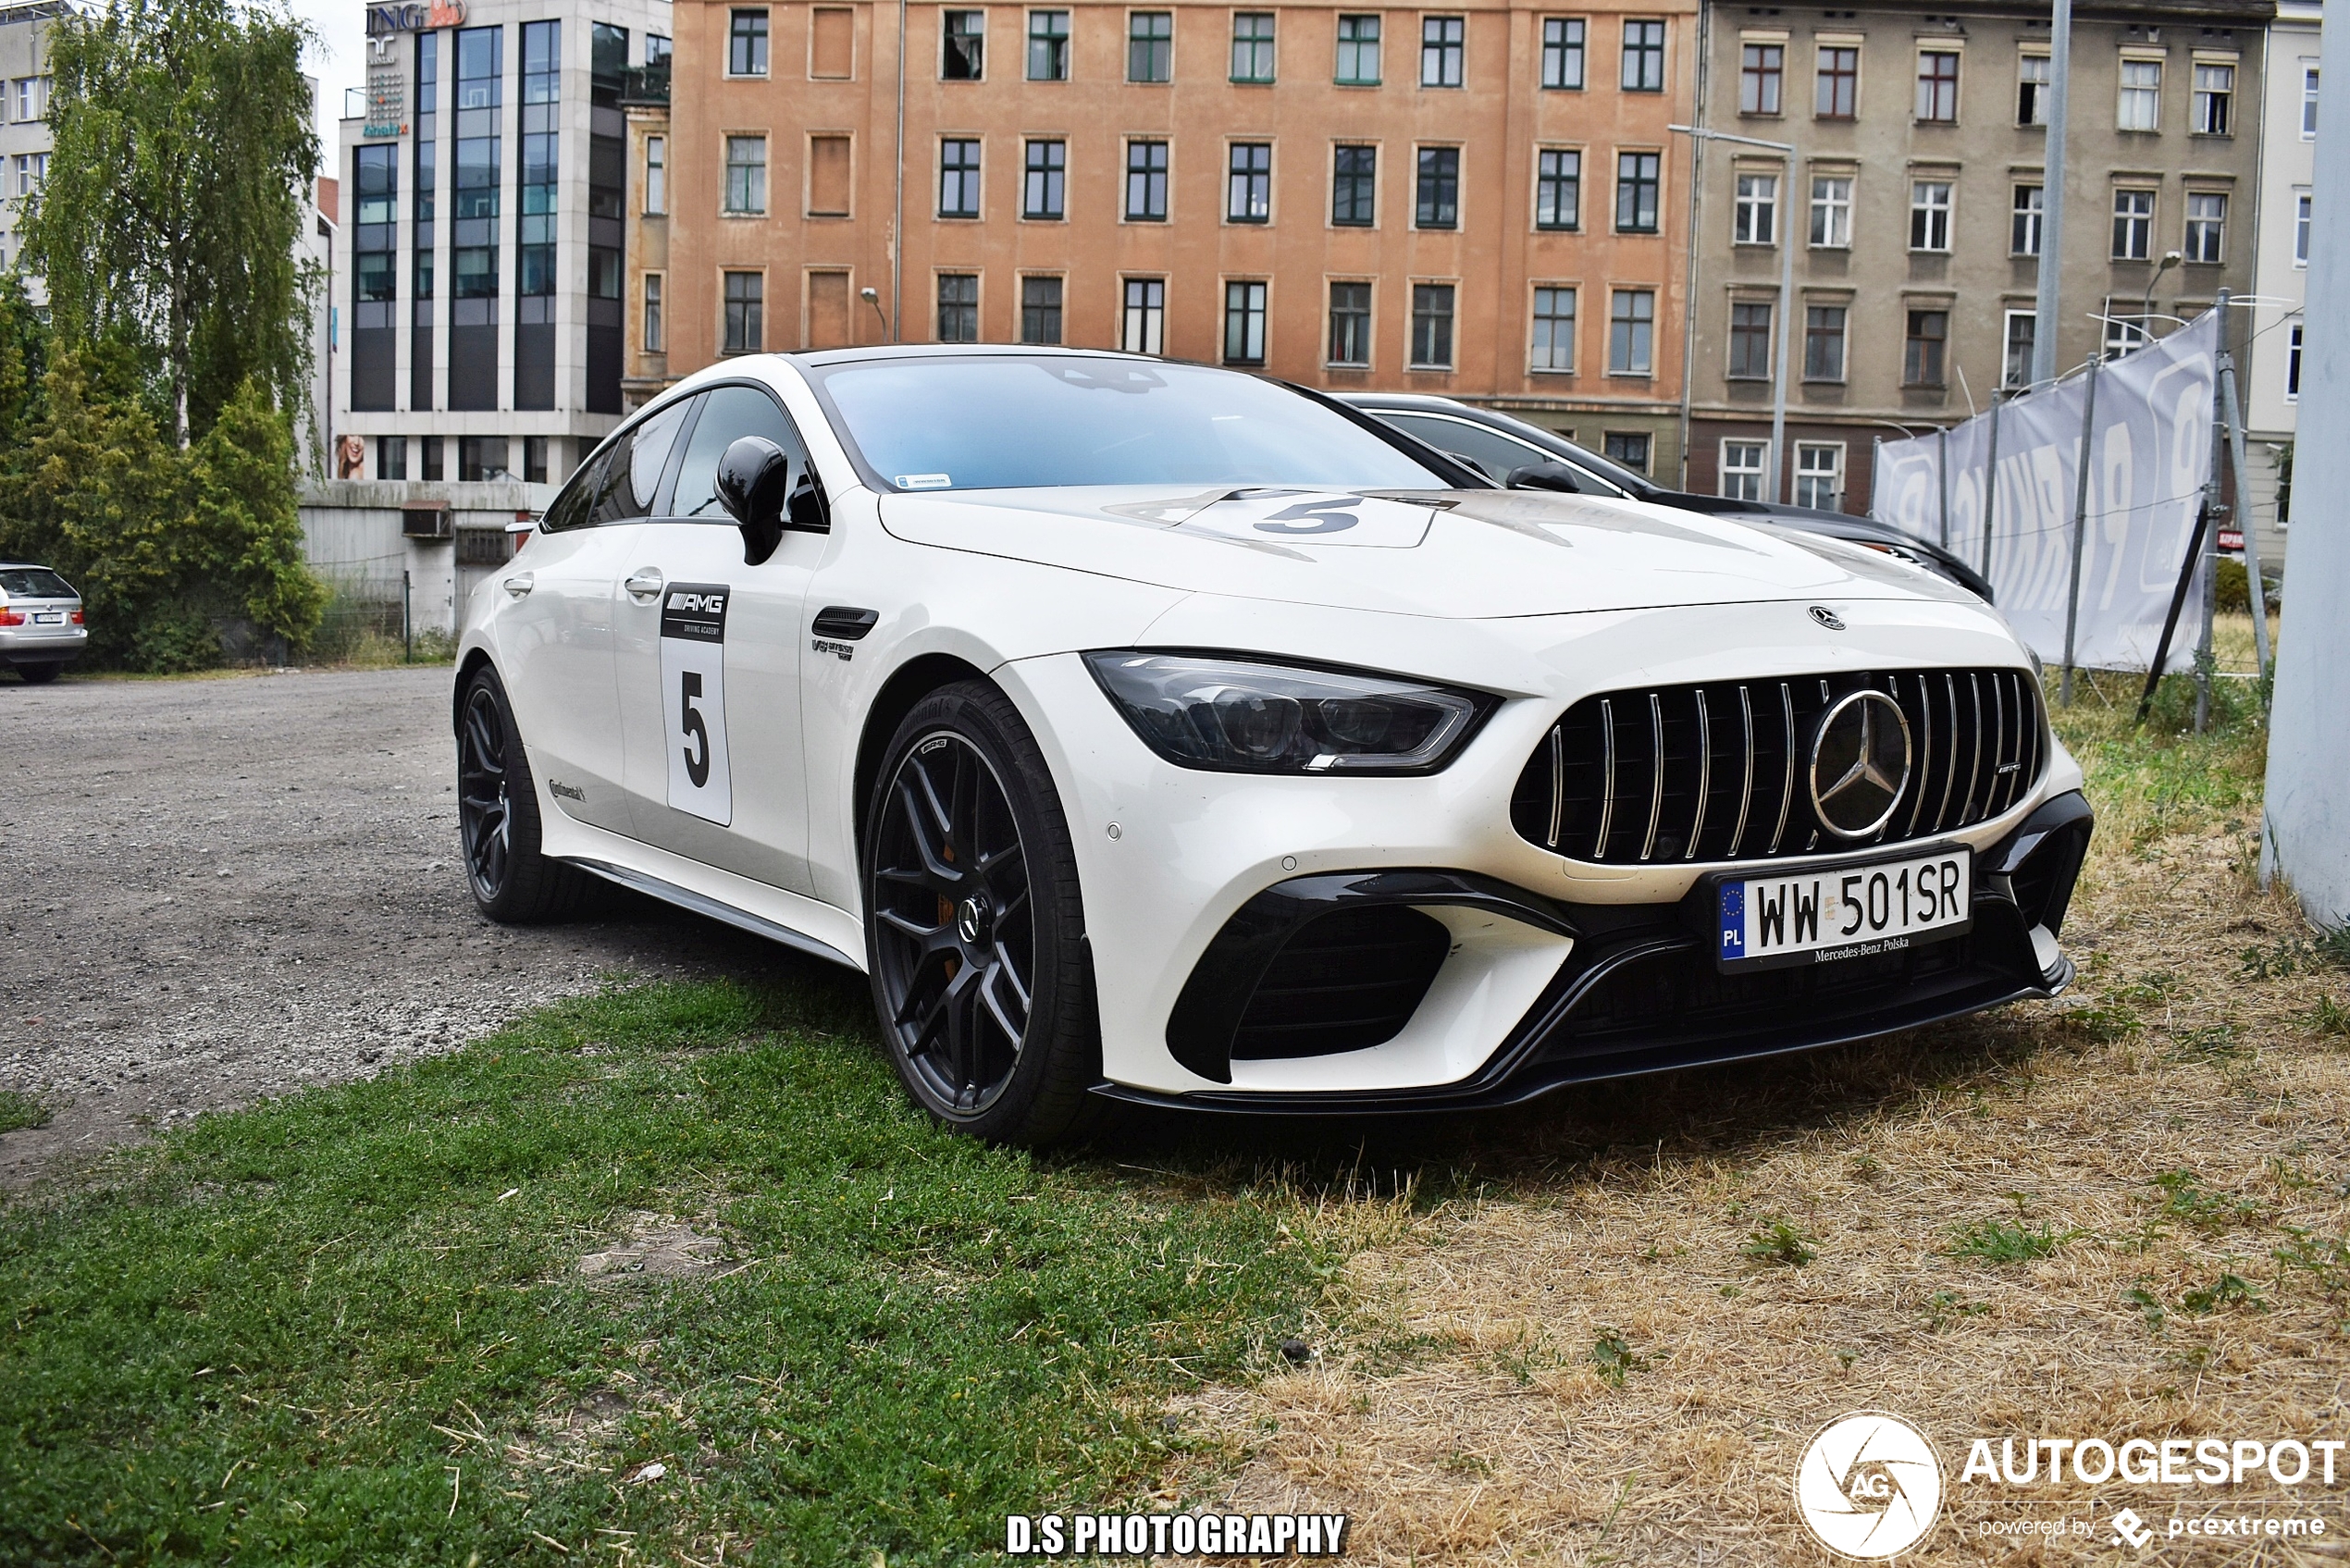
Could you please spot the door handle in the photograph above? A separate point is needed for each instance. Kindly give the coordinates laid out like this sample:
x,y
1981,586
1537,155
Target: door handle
x,y
517,584
644,584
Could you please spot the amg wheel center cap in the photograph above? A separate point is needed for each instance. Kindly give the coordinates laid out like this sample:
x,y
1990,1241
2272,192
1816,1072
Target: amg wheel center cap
x,y
972,918
1860,763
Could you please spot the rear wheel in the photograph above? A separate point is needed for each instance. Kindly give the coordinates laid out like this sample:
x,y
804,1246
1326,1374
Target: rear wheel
x,y
976,927
38,674
498,816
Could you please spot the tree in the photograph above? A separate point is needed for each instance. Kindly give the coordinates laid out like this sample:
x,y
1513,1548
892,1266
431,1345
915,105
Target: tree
x,y
176,192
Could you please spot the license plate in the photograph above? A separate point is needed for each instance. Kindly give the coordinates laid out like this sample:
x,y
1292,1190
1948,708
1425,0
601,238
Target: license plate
x,y
1820,917
49,618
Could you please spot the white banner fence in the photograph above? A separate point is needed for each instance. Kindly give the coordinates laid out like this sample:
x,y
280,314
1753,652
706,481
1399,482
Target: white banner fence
x,y
2149,457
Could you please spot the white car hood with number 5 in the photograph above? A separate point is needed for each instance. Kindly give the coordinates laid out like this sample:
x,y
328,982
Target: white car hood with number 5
x,y
1459,555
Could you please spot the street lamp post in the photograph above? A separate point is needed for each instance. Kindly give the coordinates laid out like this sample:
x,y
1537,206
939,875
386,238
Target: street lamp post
x,y
1785,323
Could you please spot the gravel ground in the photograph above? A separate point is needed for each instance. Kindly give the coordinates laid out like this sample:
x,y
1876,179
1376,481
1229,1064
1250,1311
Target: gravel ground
x,y
220,889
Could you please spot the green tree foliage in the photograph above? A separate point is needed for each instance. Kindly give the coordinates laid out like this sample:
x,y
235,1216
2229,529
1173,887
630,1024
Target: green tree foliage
x,y
183,151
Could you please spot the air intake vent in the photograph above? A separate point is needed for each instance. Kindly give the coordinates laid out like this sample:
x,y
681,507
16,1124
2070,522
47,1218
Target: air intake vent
x,y
1723,771
1343,981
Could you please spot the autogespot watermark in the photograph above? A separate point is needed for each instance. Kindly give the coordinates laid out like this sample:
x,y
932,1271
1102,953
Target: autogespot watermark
x,y
1174,1534
1870,1485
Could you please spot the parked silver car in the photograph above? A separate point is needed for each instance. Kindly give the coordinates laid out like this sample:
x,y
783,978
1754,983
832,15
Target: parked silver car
x,y
41,626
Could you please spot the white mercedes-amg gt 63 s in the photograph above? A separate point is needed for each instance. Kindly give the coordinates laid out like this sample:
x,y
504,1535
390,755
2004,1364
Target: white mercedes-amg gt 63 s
x,y
1155,733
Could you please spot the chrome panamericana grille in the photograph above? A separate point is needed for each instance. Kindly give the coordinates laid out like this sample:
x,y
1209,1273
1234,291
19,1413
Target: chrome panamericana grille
x,y
1720,772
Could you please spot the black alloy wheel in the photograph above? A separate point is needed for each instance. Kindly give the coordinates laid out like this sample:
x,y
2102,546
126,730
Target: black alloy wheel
x,y
973,925
498,816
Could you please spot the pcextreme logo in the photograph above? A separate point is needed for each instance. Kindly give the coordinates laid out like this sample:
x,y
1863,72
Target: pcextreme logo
x,y
1869,1485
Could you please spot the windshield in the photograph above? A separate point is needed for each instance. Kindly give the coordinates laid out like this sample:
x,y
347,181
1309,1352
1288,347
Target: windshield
x,y
1006,421
32,582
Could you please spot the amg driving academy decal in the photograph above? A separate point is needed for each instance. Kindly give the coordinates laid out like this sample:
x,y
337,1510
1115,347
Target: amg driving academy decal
x,y
693,699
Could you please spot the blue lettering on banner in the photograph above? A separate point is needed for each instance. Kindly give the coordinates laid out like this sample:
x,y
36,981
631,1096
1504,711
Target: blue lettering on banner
x,y
1734,919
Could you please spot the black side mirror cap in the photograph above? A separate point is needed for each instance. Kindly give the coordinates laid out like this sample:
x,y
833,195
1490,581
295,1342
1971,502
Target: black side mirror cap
x,y
1545,477
810,510
754,478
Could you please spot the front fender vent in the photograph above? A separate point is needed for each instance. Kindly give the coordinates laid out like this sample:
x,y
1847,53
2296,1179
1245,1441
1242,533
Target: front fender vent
x,y
1717,771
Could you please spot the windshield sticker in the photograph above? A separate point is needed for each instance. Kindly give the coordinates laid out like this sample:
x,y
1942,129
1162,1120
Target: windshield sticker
x,y
924,481
1323,517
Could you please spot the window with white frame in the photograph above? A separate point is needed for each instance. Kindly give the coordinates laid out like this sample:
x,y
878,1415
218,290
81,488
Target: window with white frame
x,y
2308,102
1754,213
2207,226
2023,232
2021,326
2292,365
2214,95
656,175
2033,82
1929,215
2301,228
1554,329
1819,475
2122,334
1742,464
655,339
2140,107
33,98
1832,212
2132,225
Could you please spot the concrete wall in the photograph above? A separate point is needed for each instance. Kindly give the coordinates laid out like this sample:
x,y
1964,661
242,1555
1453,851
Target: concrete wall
x,y
353,535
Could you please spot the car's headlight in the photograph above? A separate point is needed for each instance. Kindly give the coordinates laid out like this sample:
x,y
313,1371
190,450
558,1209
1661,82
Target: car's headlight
x,y
1236,715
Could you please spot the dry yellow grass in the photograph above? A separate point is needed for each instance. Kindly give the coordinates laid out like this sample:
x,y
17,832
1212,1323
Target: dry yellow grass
x,y
1579,1358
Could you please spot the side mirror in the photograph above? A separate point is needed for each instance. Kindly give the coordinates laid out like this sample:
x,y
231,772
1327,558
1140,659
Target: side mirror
x,y
753,480
1545,477
810,510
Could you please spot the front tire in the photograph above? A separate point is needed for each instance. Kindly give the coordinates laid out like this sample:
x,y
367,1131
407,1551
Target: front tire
x,y
498,816
975,925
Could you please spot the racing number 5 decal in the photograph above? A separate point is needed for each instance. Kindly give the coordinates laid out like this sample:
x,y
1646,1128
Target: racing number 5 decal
x,y
693,686
1328,514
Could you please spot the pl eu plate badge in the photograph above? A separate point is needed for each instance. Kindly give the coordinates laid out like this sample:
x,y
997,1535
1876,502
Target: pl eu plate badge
x,y
693,699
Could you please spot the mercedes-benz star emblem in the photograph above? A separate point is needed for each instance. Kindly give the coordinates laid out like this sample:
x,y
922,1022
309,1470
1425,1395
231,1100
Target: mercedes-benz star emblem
x,y
1859,762
1827,618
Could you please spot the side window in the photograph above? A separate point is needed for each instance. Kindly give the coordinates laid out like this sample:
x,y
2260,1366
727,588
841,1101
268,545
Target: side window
x,y
728,414
569,509
629,481
1491,452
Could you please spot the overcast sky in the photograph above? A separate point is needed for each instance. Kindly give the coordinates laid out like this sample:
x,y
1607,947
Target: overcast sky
x,y
336,59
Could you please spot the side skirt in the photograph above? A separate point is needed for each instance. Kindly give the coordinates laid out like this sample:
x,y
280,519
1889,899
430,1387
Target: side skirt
x,y
702,903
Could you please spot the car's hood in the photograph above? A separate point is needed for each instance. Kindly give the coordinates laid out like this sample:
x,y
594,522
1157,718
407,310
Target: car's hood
x,y
1460,554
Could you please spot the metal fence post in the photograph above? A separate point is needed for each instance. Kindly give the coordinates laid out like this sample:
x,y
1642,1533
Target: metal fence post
x,y
1991,487
2080,532
407,619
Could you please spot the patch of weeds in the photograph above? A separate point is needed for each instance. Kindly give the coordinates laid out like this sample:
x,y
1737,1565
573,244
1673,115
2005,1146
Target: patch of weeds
x,y
2149,989
2150,1306
2229,1289
2102,1023
1462,1463
1865,1168
1946,1307
1996,1240
2211,1043
2329,1018
18,1111
2326,1259
1613,1357
2184,1197
1776,1243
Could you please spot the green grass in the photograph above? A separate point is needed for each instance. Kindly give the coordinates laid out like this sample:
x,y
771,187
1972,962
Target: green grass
x,y
18,1111
1998,1240
348,1326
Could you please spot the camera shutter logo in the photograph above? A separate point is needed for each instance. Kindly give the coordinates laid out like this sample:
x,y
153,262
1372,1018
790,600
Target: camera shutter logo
x,y
1869,1485
1860,763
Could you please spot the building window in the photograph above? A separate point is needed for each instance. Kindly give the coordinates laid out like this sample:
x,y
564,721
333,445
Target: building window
x,y
1922,352
1353,186
1249,196
32,171
1150,47
1431,326
1141,328
480,458
1561,52
1643,58
2292,366
1749,340
1837,94
1040,310
2141,103
2031,83
747,43
1929,215
535,223
2124,335
655,338
746,175
1044,182
1831,212
1762,70
1939,86
959,307
1631,332
1558,187
1819,475
1629,448
33,98
2021,325
1754,212
2308,102
1823,342
2301,229
534,458
480,176
1244,324
1437,204
656,175
1350,323
435,465
959,177
1048,45
1358,51
963,52
1442,47
1637,180
391,457
1147,182
1252,46
2132,225
2215,91
2207,226
1742,466
2023,232
745,333
1554,329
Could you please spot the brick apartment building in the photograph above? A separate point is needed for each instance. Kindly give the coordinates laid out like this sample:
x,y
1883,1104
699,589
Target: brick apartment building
x,y
1480,201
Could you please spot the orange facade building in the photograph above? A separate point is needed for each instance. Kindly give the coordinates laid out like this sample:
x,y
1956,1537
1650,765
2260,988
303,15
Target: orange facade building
x,y
1482,201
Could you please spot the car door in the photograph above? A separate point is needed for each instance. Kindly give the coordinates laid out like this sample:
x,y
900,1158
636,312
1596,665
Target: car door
x,y
708,653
